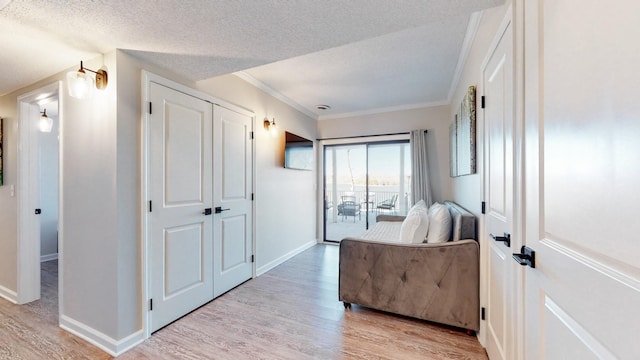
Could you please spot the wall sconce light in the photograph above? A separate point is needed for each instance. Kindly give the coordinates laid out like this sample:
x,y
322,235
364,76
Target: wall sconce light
x,y
270,126
45,124
81,85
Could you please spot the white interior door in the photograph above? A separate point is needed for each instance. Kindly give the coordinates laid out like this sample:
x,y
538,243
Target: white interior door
x,y
499,197
180,179
232,194
582,299
29,203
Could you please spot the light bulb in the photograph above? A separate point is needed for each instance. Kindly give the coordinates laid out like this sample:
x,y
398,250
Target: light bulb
x,y
273,130
45,124
80,84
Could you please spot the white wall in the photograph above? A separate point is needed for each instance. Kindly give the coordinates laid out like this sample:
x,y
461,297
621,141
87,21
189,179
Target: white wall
x,y
127,189
8,202
89,240
467,190
285,199
88,237
434,119
48,159
127,149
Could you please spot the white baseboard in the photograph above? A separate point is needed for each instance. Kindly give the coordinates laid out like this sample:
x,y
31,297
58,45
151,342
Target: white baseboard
x,y
270,265
9,294
48,257
106,343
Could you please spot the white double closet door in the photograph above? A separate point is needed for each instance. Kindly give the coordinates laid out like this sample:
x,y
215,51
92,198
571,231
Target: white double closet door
x,y
200,206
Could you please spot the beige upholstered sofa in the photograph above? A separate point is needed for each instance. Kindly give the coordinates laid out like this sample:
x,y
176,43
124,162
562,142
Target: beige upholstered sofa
x,y
436,282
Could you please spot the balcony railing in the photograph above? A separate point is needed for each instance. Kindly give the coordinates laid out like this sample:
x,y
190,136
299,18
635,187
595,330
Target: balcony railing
x,y
343,220
370,201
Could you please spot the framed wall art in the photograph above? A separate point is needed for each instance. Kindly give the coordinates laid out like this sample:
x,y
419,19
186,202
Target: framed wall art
x,y
462,135
453,151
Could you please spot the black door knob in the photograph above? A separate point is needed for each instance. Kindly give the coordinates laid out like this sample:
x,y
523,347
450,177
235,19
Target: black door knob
x,y
526,257
506,238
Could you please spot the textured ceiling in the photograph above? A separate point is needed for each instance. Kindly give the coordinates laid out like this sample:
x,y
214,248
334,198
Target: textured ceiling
x,y
409,68
202,39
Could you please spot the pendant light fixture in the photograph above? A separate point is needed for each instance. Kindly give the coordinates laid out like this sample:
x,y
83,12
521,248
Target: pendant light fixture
x,y
45,124
81,84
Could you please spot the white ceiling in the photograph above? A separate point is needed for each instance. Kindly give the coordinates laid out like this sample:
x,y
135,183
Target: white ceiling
x,y
357,56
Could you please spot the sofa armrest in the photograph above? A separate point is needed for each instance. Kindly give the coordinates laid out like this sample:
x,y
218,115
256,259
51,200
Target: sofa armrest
x,y
380,218
435,282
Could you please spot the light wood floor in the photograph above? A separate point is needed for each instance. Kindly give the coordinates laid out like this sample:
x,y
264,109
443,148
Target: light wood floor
x,y
291,312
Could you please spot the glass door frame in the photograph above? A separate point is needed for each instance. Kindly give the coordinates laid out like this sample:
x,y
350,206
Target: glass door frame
x,y
365,141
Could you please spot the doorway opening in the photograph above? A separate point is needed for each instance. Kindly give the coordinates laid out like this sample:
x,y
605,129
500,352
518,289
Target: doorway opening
x,y
362,181
48,151
38,196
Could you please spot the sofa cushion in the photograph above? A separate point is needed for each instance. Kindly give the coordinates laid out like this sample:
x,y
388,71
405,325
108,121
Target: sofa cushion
x,y
463,222
439,224
385,231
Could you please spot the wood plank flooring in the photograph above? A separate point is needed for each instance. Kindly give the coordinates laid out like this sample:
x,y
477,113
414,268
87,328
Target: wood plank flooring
x,y
31,331
291,312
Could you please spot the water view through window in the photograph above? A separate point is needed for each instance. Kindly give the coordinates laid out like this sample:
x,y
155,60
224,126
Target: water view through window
x,y
363,181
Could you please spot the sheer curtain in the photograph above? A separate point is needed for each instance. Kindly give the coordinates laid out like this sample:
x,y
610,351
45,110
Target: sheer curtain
x,y
420,184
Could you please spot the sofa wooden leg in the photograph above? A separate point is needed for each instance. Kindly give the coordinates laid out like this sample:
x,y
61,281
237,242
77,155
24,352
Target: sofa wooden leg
x,y
346,305
470,332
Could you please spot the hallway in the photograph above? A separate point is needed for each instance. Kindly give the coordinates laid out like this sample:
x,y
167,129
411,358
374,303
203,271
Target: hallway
x,y
291,312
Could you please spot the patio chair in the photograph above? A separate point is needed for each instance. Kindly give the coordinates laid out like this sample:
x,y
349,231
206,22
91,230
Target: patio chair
x,y
369,201
389,204
349,207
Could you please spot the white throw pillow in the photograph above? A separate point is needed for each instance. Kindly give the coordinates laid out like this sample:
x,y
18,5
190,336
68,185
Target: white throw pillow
x,y
415,226
420,205
439,224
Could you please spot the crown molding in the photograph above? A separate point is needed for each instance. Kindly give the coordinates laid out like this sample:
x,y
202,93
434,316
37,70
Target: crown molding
x,y
264,87
472,29
383,110
469,37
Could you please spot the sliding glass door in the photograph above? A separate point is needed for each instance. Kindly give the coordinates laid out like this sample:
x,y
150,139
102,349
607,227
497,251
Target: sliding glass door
x,y
362,181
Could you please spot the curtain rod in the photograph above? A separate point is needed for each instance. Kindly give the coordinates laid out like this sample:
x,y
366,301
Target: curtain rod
x,y
365,136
